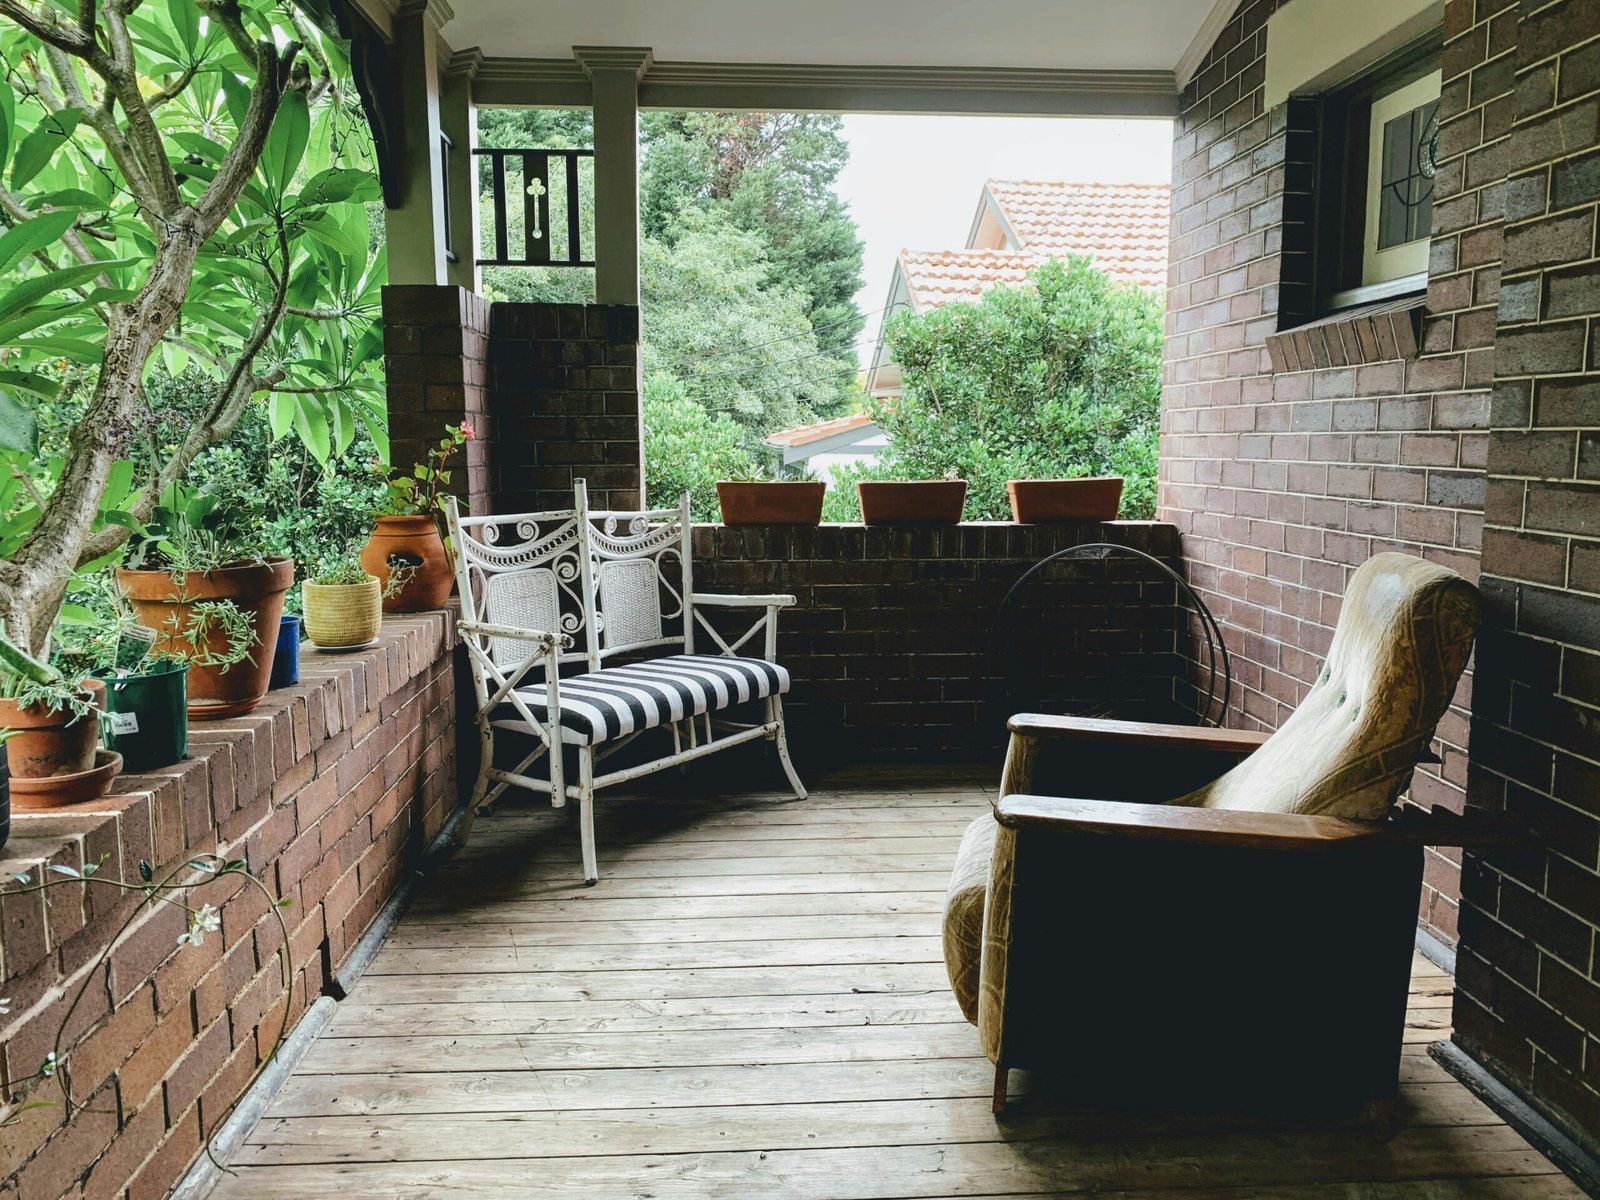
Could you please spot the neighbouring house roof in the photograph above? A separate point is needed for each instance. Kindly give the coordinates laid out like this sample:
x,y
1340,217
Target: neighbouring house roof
x,y
804,435
1020,225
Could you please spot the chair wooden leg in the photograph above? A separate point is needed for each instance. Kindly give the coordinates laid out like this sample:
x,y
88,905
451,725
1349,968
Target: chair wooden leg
x,y
1001,1079
591,868
782,741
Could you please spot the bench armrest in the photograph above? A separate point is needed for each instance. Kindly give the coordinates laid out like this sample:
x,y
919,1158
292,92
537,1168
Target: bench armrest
x,y
1134,733
1259,830
720,601
549,641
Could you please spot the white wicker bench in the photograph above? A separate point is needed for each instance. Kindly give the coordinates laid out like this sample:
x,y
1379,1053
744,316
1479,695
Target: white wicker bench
x,y
547,599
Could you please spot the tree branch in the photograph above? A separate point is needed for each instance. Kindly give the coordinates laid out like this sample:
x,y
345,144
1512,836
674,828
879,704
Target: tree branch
x,y
77,41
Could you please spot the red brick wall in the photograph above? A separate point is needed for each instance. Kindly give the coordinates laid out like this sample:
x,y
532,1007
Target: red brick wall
x,y
1282,482
890,646
1528,998
328,791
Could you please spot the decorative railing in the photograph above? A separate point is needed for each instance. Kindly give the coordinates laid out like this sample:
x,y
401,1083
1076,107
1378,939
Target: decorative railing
x,y
520,185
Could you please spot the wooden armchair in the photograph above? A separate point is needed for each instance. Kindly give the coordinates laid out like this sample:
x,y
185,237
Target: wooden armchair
x,y
1227,919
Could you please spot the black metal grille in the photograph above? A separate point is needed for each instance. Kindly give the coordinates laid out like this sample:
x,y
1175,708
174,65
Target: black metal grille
x,y
523,236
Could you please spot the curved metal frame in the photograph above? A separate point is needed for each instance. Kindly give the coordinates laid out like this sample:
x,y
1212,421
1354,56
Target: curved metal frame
x,y
1215,646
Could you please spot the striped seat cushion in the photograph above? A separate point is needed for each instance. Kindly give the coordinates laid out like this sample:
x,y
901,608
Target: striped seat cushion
x,y
601,705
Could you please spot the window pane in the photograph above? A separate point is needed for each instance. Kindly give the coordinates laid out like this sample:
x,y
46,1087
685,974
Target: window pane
x,y
1405,208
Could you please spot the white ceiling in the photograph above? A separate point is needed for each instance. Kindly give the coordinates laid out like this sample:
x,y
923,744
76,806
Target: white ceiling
x,y
1056,34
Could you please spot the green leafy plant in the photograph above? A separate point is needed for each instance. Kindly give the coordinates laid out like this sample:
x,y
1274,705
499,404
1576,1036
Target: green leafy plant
x,y
183,193
1060,378
689,449
31,682
339,569
417,494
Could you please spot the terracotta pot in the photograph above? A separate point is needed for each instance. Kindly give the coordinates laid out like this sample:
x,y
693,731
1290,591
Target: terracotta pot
x,y
777,503
342,614
51,743
77,788
257,589
1047,501
413,542
922,502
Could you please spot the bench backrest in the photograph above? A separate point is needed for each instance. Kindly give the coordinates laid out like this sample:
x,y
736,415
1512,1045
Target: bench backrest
x,y
615,582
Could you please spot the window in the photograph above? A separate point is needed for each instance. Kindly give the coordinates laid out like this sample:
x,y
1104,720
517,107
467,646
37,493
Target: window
x,y
1378,139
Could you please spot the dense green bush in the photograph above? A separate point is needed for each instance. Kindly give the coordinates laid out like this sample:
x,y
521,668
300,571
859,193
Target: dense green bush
x,y
1057,379
689,448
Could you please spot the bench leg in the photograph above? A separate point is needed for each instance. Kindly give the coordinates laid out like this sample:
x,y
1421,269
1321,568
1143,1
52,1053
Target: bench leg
x,y
775,708
480,786
591,868
1002,1076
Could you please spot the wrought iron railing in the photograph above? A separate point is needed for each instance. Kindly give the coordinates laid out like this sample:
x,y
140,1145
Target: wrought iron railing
x,y
521,183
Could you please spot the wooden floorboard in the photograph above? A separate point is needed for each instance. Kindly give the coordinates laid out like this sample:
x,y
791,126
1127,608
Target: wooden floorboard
x,y
752,1005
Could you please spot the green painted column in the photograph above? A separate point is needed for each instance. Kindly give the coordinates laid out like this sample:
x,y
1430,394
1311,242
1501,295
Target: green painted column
x,y
614,74
458,120
415,228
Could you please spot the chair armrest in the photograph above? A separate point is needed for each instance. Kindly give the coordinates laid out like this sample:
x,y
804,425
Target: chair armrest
x,y
544,637
719,601
1094,729
1259,830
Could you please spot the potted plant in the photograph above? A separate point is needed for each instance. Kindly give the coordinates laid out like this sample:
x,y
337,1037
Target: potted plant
x,y
912,502
409,536
1052,501
52,726
214,604
771,502
344,603
286,657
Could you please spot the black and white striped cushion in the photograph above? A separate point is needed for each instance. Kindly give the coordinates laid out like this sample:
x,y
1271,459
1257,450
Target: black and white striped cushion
x,y
602,705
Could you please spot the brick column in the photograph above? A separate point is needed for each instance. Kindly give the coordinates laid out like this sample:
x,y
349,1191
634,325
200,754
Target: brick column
x,y
566,390
1528,988
436,351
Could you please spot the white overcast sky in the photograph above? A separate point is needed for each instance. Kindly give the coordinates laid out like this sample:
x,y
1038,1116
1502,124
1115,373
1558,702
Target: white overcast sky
x,y
913,182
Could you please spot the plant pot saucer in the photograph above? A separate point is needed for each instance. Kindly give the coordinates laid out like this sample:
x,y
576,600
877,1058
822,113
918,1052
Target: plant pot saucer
x,y
343,649
60,791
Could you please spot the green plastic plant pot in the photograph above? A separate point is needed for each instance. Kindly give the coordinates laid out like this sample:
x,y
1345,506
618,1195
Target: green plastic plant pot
x,y
147,716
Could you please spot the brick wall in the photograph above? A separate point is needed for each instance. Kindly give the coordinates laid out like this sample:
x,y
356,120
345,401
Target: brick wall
x,y
889,643
328,791
1282,481
436,363
1529,981
566,394
1289,459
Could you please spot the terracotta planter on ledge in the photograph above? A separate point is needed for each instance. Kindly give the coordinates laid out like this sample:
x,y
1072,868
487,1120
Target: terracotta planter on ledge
x,y
1053,501
166,606
52,743
921,502
771,503
412,542
79,787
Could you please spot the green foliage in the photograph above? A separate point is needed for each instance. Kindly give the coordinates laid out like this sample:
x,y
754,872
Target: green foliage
x,y
341,568
1056,380
688,448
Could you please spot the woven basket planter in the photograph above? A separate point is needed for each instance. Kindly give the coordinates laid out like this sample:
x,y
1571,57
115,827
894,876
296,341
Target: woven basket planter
x,y
343,614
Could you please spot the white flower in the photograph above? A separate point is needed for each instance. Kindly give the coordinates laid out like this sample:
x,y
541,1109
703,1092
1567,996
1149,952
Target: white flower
x,y
207,920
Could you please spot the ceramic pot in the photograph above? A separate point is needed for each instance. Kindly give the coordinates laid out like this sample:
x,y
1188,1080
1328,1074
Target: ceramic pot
x,y
343,614
147,717
411,542
51,743
76,788
5,799
774,503
286,658
165,605
922,502
1053,501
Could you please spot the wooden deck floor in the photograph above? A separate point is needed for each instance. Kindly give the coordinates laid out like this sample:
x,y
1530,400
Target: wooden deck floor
x,y
752,1006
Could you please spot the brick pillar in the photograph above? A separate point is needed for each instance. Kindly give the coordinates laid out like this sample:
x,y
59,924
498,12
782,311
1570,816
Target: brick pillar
x,y
436,351
565,390
1528,987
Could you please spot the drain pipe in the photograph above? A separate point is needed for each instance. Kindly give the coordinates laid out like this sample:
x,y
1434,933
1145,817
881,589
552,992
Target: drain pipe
x,y
204,1174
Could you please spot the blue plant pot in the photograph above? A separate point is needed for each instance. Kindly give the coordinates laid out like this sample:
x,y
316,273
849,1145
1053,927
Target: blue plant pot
x,y
286,662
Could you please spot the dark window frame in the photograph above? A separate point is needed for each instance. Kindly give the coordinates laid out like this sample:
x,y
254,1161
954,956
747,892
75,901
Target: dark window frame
x,y
1339,197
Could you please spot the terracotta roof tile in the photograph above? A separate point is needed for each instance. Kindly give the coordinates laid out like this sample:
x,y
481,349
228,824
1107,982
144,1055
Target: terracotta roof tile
x,y
804,435
1122,226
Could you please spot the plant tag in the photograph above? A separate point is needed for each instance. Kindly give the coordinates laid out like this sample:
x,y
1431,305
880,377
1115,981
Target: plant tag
x,y
133,643
123,723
